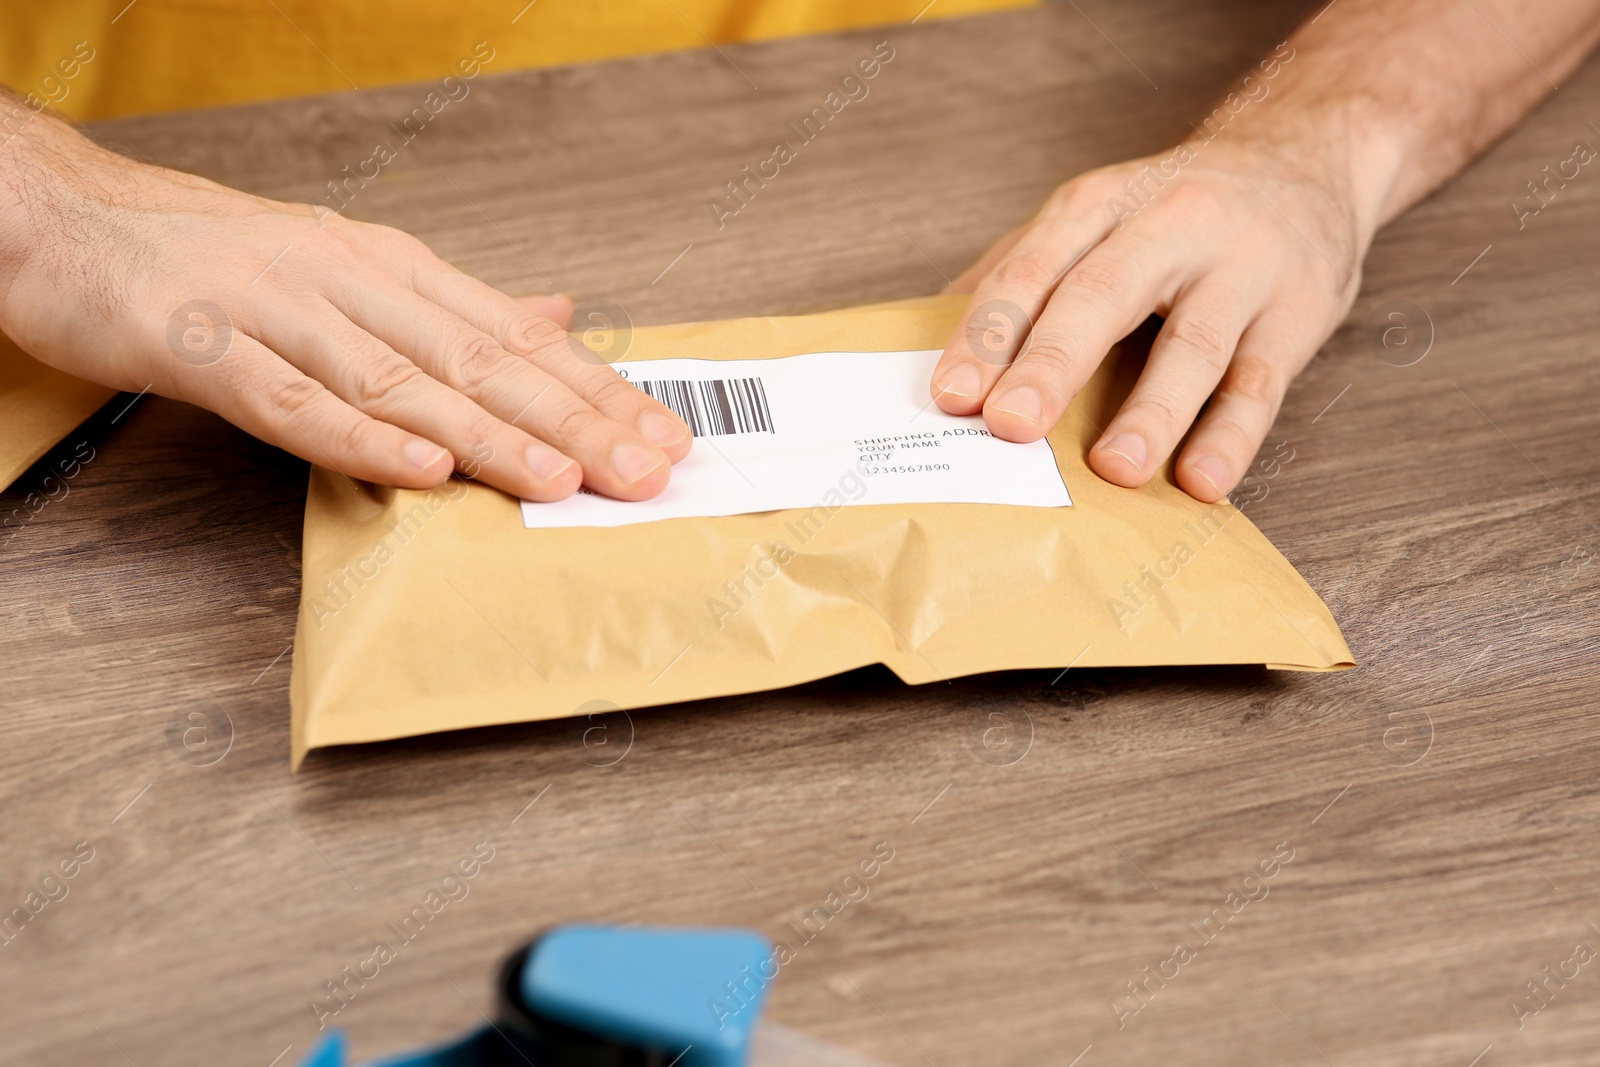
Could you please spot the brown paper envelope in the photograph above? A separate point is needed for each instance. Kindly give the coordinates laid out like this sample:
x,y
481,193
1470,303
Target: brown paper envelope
x,y
428,611
38,407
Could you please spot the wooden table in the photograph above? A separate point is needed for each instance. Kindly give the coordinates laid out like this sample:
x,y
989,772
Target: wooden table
x,y
1441,802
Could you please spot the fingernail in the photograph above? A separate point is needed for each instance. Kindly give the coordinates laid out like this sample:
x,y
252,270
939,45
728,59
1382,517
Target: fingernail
x,y
422,454
1130,446
962,380
1022,402
1211,469
634,463
546,463
661,429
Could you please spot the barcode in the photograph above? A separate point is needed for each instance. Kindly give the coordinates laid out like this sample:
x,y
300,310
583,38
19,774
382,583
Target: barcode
x,y
716,407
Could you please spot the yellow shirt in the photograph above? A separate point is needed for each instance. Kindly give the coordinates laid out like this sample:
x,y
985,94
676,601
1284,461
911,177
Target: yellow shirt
x,y
95,59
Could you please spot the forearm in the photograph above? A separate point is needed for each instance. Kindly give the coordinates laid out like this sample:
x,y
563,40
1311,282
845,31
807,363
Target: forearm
x,y
59,191
18,120
1399,95
40,158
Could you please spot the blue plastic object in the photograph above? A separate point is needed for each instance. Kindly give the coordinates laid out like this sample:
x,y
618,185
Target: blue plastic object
x,y
465,1051
694,992
330,1052
690,996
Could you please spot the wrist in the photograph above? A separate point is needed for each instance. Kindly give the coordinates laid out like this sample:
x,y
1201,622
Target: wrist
x,y
18,121
44,168
1340,146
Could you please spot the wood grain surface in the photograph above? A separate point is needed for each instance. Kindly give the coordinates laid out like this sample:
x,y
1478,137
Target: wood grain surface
x,y
1440,802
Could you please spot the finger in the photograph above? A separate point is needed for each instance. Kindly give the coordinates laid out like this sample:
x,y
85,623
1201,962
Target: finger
x,y
267,397
1099,302
616,460
548,346
967,281
557,307
371,376
1186,362
1243,408
1006,304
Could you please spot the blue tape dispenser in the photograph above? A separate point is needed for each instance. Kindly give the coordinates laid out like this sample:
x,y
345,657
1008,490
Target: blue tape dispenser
x,y
626,996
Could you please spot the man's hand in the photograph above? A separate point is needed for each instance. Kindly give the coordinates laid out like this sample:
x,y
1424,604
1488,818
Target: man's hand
x,y
350,345
1251,266
1249,237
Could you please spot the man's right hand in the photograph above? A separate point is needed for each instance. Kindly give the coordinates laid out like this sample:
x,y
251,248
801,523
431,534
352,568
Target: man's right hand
x,y
348,344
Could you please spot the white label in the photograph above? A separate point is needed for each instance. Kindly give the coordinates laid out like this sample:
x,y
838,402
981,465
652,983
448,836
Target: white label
x,y
825,429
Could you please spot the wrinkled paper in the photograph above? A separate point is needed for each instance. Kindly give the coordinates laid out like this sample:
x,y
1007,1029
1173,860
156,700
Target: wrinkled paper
x,y
424,611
